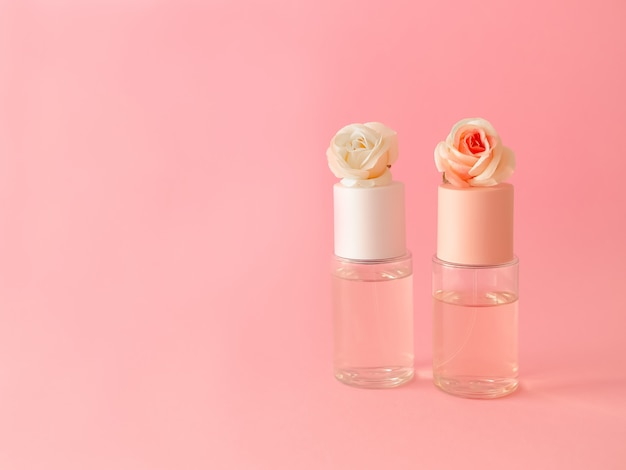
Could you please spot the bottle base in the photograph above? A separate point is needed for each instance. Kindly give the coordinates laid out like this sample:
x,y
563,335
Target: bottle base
x,y
477,387
375,377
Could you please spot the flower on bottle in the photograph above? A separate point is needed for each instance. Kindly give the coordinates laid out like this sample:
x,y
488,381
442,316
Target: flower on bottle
x,y
361,154
473,155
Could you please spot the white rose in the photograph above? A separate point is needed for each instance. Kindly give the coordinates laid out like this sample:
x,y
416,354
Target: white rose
x,y
362,154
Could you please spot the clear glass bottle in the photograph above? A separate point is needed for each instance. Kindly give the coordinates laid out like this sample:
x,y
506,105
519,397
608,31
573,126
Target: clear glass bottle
x,y
373,321
372,277
475,292
475,328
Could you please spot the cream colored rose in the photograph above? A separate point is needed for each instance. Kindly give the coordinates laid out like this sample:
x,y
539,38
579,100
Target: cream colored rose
x,y
362,154
473,155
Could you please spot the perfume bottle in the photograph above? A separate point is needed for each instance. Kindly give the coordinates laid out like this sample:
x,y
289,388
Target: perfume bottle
x,y
372,272
372,288
475,292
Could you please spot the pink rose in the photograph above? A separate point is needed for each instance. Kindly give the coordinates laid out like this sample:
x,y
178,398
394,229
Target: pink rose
x,y
473,155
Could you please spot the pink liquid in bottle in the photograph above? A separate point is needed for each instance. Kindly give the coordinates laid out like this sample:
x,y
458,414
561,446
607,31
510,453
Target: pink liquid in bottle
x,y
373,323
475,345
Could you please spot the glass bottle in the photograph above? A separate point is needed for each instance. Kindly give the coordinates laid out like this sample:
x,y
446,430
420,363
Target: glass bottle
x,y
372,278
373,321
475,292
475,322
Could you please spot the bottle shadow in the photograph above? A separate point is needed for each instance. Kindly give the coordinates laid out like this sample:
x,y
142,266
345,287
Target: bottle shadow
x,y
598,390
593,389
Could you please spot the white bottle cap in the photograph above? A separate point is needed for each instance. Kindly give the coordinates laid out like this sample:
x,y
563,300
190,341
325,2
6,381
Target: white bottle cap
x,y
369,222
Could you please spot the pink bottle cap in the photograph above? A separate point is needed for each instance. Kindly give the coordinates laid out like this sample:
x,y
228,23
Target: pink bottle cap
x,y
369,222
475,225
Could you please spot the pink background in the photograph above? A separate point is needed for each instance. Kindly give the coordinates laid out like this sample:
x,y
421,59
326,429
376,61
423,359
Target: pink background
x,y
166,228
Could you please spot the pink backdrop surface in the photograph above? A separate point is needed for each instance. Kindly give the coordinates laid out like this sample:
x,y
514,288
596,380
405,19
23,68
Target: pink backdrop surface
x,y
166,229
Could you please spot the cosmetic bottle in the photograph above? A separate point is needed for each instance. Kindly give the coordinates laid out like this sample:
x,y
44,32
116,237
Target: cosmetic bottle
x,y
372,294
475,292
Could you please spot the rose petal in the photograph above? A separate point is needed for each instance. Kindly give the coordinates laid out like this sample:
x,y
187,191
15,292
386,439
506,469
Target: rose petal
x,y
341,168
478,123
506,167
353,173
440,155
370,135
490,169
378,161
336,160
382,180
463,147
349,182
393,151
390,137
380,128
452,177
379,148
484,159
461,170
356,158
384,153
379,167
480,165
482,183
454,154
